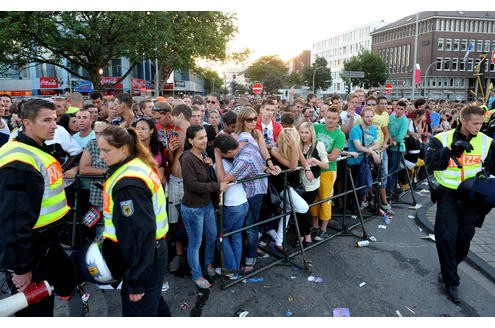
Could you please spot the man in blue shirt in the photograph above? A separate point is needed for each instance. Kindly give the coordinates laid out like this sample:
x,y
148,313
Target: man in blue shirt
x,y
363,139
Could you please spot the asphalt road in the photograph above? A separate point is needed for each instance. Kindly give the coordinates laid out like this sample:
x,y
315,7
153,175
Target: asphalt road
x,y
394,276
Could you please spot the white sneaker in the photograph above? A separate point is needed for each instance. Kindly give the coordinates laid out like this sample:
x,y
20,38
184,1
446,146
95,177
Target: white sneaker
x,y
387,208
364,204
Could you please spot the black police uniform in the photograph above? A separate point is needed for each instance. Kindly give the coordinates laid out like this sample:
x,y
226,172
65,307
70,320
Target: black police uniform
x,y
137,257
24,249
455,218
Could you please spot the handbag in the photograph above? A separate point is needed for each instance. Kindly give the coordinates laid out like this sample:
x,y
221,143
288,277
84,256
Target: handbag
x,y
273,195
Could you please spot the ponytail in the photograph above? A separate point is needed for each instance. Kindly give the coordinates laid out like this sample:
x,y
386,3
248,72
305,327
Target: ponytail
x,y
118,137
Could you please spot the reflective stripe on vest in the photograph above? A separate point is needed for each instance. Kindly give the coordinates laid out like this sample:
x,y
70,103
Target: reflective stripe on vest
x,y
53,204
135,168
452,176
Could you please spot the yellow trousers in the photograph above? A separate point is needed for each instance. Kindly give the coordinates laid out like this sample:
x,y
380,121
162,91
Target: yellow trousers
x,y
324,210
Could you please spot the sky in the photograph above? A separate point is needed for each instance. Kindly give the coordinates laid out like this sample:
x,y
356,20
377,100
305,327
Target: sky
x,y
280,27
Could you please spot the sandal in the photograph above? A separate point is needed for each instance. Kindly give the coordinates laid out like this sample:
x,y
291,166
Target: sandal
x,y
247,269
202,283
210,270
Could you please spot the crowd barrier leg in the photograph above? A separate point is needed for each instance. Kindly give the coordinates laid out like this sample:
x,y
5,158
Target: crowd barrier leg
x,y
411,188
298,233
345,227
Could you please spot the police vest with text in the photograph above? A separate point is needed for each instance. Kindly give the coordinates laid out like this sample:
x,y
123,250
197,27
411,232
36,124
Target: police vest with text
x,y
135,168
53,204
452,176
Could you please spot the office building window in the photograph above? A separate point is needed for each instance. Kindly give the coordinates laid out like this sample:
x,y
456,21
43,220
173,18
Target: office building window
x,y
456,45
440,44
470,65
446,64
479,45
463,45
448,44
455,62
462,65
487,45
439,63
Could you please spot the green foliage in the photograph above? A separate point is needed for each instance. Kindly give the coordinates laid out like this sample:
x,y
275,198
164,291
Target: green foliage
x,y
90,40
374,68
295,79
269,70
212,81
322,74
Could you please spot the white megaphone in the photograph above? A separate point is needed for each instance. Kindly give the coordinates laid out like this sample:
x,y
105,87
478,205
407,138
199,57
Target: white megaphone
x,y
33,294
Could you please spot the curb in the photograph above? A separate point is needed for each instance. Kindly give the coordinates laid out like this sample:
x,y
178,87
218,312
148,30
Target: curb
x,y
472,259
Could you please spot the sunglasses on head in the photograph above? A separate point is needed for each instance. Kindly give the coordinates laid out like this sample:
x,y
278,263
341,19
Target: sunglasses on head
x,y
211,102
250,119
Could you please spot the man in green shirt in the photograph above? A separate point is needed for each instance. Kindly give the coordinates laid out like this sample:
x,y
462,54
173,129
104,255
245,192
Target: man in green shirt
x,y
333,138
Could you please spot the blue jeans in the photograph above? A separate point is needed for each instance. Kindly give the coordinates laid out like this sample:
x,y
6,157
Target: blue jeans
x,y
233,219
252,233
393,166
199,221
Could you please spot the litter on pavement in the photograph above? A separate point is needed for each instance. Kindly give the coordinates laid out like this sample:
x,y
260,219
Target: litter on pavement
x,y
381,226
430,236
411,216
362,284
341,312
316,279
415,207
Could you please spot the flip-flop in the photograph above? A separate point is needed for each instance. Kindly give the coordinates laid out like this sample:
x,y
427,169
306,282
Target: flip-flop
x,y
202,283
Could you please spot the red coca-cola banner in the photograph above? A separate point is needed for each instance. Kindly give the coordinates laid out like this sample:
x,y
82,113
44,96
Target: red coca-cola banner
x,y
48,82
138,83
110,80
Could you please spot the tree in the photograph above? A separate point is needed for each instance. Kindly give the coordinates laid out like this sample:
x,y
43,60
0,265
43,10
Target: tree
x,y
295,79
374,68
269,70
320,71
212,81
90,40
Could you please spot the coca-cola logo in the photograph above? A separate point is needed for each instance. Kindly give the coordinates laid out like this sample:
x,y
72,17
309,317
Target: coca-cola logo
x,y
138,83
48,82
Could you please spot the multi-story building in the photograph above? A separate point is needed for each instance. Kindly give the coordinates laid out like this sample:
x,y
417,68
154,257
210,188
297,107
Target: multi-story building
x,y
297,63
48,80
338,48
447,68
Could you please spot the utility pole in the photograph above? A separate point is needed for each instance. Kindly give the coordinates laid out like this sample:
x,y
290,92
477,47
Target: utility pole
x,y
415,56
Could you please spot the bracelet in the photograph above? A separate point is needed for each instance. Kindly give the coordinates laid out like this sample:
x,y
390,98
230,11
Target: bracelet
x,y
268,159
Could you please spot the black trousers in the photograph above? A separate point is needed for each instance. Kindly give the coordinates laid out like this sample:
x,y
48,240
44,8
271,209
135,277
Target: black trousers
x,y
454,230
152,304
52,264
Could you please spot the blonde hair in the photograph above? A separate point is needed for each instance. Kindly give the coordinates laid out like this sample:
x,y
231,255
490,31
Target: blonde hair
x,y
282,146
311,128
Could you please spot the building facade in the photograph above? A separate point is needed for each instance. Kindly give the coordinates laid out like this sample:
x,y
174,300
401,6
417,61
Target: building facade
x,y
48,80
338,48
450,45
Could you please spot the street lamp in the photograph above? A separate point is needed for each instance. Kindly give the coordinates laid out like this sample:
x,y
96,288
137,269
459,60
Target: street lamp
x,y
314,72
426,74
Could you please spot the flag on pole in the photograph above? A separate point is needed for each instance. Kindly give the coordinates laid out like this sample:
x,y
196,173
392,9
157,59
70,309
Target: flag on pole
x,y
417,75
170,78
469,49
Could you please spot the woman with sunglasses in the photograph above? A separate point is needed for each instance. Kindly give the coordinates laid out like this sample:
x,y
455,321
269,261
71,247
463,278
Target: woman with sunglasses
x,y
245,132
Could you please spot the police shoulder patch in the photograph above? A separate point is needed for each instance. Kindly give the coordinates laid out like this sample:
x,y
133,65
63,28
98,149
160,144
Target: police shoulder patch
x,y
127,207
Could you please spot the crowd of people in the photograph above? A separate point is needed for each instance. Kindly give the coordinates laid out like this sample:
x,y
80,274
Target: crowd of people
x,y
198,145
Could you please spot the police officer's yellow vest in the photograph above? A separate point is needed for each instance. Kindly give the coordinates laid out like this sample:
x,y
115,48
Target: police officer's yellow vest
x,y
135,168
452,176
53,204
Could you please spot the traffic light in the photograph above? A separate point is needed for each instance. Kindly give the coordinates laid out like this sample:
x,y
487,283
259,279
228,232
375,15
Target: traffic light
x,y
346,89
423,92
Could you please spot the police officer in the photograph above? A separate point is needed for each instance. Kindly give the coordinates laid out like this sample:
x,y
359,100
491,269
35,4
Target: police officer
x,y
32,205
135,220
454,156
